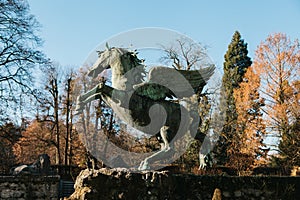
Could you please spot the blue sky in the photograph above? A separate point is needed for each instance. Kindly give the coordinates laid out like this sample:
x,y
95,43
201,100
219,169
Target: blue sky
x,y
71,29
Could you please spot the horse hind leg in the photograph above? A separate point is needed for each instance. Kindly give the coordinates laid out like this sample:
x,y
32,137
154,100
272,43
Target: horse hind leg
x,y
164,136
160,155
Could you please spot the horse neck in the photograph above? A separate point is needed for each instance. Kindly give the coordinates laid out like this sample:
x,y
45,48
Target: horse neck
x,y
119,79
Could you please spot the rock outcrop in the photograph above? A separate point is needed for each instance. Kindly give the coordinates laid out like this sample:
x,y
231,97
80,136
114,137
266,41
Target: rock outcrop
x,y
106,184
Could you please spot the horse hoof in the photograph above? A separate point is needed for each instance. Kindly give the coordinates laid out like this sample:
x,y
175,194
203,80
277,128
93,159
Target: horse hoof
x,y
144,166
167,148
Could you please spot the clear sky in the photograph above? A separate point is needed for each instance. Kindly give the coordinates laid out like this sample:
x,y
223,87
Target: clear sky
x,y
71,29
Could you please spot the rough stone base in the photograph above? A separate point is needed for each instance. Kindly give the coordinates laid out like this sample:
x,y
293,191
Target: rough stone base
x,y
29,187
107,184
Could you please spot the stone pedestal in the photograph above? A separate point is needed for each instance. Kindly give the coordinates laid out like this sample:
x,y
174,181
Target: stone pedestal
x,y
109,184
28,187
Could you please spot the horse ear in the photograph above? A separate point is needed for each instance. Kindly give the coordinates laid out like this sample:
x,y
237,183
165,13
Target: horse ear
x,y
108,48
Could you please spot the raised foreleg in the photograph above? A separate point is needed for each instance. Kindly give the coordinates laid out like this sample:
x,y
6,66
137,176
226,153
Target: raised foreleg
x,y
87,97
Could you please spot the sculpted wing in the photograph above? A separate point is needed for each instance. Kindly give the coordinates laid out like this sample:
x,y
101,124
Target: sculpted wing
x,y
168,82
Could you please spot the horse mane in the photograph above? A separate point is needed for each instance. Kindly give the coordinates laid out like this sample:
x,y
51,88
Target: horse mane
x,y
134,63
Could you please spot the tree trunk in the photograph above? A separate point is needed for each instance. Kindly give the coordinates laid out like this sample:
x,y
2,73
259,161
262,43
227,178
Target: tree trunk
x,y
56,118
67,120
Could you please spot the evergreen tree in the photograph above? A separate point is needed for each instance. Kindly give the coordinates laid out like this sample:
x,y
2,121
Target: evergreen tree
x,y
235,66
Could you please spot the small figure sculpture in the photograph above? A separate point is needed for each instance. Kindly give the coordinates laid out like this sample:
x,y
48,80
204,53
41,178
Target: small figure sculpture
x,y
205,161
148,106
43,164
40,167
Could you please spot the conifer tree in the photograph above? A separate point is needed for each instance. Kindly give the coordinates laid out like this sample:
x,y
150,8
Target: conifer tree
x,y
235,66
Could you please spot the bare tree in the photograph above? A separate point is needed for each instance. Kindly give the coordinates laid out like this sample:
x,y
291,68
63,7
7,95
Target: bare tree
x,y
56,107
67,112
186,54
18,53
53,88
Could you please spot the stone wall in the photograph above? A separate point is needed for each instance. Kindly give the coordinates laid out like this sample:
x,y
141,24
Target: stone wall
x,y
29,187
152,185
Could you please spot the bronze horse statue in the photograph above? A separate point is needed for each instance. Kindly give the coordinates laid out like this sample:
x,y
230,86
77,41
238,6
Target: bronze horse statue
x,y
153,106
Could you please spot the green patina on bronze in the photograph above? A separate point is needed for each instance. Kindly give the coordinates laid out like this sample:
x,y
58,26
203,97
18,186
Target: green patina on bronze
x,y
148,105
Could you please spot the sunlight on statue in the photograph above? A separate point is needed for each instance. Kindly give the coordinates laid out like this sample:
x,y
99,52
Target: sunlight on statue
x,y
152,105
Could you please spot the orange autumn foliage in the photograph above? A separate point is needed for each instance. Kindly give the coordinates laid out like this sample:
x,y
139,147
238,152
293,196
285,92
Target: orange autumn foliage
x,y
250,125
278,64
39,138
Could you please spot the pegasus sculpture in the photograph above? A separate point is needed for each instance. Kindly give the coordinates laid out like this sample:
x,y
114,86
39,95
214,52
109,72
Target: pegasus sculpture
x,y
152,105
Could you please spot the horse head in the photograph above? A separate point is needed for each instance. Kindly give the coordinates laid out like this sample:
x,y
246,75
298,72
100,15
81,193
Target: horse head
x,y
127,69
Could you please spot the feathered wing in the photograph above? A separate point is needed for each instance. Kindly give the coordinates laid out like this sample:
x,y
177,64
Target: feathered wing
x,y
168,82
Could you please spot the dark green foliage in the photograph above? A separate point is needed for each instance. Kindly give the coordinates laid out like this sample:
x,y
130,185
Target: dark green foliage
x,y
236,61
289,147
235,66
